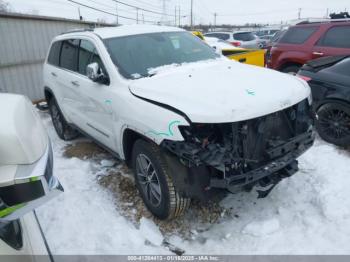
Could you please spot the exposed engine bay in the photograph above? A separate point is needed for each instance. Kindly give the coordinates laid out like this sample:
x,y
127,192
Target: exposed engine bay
x,y
257,152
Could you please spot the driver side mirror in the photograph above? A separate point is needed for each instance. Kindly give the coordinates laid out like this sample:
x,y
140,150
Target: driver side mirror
x,y
95,73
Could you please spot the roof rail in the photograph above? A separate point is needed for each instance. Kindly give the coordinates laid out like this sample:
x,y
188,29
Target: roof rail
x,y
78,30
322,20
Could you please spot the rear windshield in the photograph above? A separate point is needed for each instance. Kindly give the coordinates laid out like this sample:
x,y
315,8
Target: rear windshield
x,y
297,35
244,36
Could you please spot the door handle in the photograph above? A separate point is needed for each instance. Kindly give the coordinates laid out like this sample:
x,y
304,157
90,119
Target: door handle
x,y
53,74
75,83
318,53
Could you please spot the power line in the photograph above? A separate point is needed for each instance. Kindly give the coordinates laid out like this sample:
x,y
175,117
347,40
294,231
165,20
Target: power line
x,y
142,9
119,9
109,13
148,4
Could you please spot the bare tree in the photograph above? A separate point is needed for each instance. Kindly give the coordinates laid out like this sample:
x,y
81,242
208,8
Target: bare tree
x,y
4,6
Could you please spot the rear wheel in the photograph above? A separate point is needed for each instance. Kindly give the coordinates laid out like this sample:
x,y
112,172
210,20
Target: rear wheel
x,y
291,69
63,129
333,123
154,182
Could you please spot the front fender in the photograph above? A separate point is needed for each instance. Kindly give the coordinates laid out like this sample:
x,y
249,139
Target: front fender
x,y
151,121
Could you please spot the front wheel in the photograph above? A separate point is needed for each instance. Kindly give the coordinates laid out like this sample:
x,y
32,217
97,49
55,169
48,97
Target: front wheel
x,y
333,123
153,179
63,130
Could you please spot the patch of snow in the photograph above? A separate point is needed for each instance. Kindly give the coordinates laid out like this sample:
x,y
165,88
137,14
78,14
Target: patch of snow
x,y
308,213
262,228
169,69
151,231
107,163
84,220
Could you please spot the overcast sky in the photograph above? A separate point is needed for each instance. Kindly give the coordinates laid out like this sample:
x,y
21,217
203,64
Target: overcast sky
x,y
228,11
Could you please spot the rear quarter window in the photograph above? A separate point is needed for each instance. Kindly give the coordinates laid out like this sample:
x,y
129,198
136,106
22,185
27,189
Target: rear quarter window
x,y
54,55
338,36
297,35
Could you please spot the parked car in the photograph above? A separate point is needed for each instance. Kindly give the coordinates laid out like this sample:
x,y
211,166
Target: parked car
x,y
329,79
198,34
307,41
272,42
246,56
26,179
188,121
266,32
242,39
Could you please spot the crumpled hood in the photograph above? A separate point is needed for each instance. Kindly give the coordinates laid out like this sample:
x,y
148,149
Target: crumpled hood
x,y
222,90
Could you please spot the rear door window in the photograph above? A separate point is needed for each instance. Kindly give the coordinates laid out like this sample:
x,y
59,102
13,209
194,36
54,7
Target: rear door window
x,y
69,54
54,55
297,35
338,36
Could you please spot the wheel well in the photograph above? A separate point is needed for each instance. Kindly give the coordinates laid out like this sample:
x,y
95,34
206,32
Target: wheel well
x,y
129,139
332,100
288,64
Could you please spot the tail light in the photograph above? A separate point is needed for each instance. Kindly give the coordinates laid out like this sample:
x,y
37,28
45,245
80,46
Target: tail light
x,y
236,44
306,78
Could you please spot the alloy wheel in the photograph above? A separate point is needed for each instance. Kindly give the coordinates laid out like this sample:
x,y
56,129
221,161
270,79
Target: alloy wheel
x,y
148,179
335,123
56,119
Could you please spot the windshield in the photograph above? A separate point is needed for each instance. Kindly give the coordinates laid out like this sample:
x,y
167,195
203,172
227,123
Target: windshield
x,y
136,55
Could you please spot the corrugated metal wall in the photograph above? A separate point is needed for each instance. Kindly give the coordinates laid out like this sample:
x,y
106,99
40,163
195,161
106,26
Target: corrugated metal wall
x,y
24,42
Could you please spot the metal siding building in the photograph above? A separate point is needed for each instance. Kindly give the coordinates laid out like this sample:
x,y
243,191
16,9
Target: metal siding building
x,y
24,42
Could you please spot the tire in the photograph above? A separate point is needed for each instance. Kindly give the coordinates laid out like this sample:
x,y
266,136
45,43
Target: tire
x,y
291,69
154,182
333,123
63,129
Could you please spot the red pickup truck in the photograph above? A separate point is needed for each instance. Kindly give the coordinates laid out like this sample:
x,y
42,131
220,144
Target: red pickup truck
x,y
309,40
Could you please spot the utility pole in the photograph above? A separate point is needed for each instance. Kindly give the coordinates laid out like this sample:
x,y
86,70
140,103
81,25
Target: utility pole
x,y
327,13
80,17
164,8
299,13
215,15
179,16
175,15
116,9
191,14
137,15
143,17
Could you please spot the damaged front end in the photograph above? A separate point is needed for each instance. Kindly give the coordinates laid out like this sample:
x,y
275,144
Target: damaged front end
x,y
239,156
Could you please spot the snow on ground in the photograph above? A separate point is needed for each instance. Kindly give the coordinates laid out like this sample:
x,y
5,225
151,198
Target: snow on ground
x,y
308,213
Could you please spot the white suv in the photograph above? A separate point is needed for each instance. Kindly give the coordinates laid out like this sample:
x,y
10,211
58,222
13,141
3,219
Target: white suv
x,y
26,179
186,120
